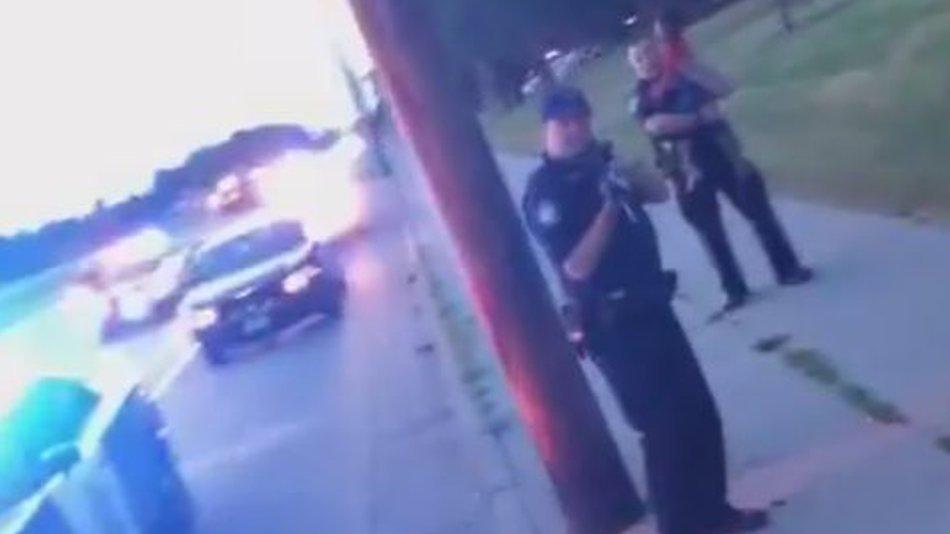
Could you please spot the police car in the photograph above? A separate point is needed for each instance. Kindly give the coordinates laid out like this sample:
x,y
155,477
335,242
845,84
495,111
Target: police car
x,y
258,279
88,456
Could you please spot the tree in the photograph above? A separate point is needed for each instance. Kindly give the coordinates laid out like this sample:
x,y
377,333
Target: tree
x,y
510,38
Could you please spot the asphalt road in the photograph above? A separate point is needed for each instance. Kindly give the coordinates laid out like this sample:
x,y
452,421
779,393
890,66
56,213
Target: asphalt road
x,y
343,427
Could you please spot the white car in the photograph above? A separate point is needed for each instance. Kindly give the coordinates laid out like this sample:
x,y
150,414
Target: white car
x,y
136,282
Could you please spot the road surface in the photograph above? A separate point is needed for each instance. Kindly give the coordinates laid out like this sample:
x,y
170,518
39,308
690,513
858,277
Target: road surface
x,y
345,427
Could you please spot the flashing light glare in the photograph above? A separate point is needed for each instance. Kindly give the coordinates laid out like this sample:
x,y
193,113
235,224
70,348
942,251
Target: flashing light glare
x,y
134,306
82,310
366,272
213,202
318,189
349,147
257,174
147,244
229,183
203,318
552,54
16,376
630,21
80,300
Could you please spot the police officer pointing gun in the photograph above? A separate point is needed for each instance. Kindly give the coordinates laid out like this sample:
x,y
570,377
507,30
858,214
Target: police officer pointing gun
x,y
586,210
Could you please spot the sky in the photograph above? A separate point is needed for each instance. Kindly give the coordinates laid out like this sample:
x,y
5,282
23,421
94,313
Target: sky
x,y
96,95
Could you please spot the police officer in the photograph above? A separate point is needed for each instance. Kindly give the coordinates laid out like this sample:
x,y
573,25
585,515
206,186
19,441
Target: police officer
x,y
701,155
586,211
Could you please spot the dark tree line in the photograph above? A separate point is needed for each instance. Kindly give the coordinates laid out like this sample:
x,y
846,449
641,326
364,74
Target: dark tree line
x,y
496,43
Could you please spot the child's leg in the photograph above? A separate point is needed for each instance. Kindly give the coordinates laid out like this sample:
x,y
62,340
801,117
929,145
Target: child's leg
x,y
691,173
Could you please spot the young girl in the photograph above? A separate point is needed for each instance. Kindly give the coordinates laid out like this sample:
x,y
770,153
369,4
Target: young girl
x,y
678,65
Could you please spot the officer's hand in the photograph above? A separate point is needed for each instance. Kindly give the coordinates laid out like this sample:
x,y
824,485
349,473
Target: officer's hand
x,y
639,182
652,126
611,192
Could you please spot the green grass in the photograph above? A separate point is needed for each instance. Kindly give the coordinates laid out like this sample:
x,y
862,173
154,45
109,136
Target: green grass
x,y
818,368
874,408
772,343
814,365
853,108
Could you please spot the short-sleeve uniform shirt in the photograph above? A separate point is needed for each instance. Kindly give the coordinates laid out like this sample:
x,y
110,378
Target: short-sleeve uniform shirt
x,y
681,97
560,204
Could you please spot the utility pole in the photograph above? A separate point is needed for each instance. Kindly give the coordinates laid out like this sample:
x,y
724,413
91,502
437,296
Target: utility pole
x,y
369,120
553,398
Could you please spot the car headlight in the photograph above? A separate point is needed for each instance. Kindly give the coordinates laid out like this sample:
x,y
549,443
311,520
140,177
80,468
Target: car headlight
x,y
298,280
213,202
204,318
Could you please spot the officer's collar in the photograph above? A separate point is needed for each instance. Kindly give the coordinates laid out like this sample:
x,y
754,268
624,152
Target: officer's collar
x,y
597,153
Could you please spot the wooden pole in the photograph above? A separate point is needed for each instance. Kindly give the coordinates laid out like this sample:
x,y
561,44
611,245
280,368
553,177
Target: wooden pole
x,y
553,397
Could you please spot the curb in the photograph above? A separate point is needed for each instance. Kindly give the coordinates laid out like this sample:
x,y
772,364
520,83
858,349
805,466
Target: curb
x,y
515,488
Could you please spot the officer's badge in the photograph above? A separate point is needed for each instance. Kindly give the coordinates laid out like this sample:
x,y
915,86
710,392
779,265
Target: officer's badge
x,y
548,214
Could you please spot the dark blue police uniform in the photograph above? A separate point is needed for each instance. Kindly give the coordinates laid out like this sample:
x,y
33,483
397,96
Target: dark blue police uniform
x,y
744,187
635,338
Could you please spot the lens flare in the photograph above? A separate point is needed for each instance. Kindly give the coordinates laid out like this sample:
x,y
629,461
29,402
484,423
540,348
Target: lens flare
x,y
319,189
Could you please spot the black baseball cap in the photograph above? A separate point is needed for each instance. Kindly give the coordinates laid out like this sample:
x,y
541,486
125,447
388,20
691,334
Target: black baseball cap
x,y
564,102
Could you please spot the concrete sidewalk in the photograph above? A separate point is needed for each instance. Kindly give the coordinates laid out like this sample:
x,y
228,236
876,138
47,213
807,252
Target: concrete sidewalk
x,y
834,395
522,498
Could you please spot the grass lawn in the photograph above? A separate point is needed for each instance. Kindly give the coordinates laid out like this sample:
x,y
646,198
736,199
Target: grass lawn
x,y
853,108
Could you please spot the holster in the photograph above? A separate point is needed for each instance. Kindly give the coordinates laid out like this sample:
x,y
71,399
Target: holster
x,y
599,315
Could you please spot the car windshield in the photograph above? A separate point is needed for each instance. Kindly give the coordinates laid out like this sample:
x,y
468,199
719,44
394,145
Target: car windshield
x,y
246,250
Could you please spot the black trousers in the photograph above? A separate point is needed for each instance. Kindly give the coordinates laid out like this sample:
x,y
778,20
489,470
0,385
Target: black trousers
x,y
650,366
747,192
